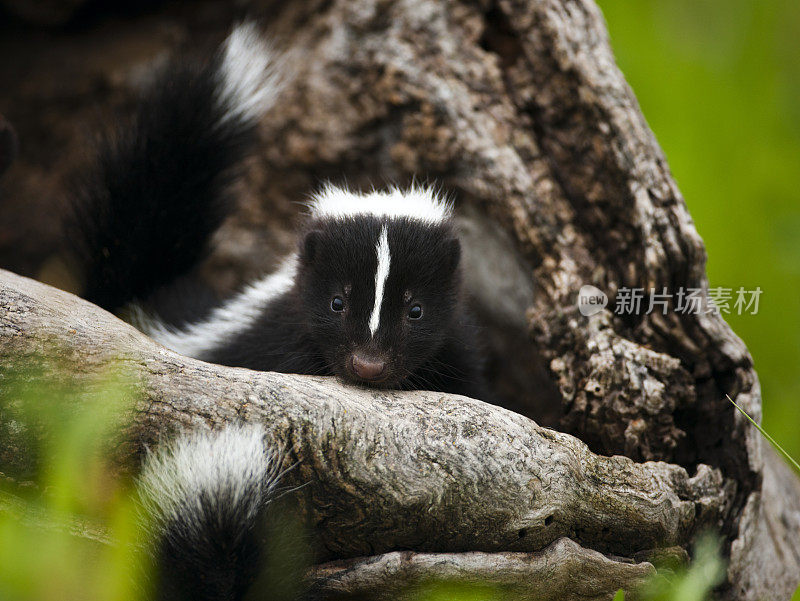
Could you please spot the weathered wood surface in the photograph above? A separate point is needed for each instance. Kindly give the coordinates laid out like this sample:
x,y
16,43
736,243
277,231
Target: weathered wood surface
x,y
382,470
562,571
518,109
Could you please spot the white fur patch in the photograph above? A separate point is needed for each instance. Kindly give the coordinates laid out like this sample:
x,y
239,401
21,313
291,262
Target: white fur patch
x,y
183,480
223,323
381,274
420,203
250,80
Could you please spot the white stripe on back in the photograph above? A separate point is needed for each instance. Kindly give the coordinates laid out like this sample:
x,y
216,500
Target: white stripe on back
x,y
223,323
381,273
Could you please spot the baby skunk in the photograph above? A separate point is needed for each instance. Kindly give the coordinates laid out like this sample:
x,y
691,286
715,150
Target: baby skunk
x,y
373,293
207,509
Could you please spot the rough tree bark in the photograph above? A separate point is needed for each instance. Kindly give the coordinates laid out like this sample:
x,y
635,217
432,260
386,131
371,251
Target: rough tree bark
x,y
383,470
516,107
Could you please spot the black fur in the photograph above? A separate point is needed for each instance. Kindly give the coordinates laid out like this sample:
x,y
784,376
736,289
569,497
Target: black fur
x,y
160,191
143,219
159,187
219,526
299,333
216,559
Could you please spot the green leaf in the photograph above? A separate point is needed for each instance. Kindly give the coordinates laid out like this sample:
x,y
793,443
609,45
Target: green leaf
x,y
775,444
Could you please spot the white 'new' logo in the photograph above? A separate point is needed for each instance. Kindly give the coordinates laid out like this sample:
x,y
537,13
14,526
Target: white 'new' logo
x,y
591,300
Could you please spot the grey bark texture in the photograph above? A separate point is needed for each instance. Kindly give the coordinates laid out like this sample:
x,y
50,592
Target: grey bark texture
x,y
444,475
518,109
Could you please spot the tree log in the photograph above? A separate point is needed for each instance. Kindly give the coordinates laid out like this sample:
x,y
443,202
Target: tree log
x,y
518,109
563,570
384,470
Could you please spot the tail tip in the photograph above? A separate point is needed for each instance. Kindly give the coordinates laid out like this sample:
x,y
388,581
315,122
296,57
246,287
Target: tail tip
x,y
250,77
231,470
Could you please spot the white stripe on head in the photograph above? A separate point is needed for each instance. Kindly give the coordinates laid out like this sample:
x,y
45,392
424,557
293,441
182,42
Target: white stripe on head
x,y
249,78
223,323
418,203
381,274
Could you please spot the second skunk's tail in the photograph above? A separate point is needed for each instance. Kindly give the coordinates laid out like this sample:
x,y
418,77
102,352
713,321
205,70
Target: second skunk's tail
x,y
206,498
159,185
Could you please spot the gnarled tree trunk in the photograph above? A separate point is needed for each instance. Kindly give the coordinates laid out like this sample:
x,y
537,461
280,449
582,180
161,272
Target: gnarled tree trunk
x,y
518,109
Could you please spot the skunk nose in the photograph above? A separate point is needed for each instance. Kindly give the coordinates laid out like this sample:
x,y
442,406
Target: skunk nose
x,y
367,368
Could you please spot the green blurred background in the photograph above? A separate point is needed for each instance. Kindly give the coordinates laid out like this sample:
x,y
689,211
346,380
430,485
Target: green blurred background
x,y
719,83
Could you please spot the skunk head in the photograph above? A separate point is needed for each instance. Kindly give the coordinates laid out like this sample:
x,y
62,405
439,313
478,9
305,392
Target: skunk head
x,y
379,277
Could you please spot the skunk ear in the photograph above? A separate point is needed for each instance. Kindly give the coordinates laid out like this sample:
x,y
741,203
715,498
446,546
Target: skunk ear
x,y
308,249
453,254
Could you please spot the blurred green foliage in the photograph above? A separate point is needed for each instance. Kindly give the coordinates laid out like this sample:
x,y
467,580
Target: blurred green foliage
x,y
719,83
444,591
65,429
694,582
73,528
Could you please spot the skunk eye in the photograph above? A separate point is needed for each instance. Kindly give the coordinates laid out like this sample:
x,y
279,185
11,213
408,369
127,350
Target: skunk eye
x,y
415,312
337,304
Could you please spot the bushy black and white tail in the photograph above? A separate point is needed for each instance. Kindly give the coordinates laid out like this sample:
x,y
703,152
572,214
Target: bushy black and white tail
x,y
205,497
159,185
